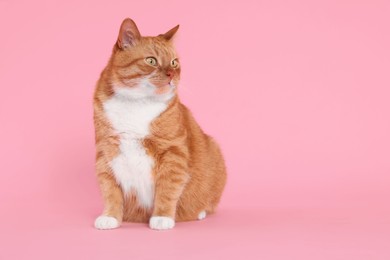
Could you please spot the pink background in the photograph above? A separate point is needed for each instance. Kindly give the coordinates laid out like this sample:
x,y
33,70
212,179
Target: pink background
x,y
296,92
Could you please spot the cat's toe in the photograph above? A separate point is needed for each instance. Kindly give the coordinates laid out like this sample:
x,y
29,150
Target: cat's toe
x,y
202,215
161,223
106,222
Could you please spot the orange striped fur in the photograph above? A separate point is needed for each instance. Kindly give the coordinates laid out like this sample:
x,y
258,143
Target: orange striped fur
x,y
188,173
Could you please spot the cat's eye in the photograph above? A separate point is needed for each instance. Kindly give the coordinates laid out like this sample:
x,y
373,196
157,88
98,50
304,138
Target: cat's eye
x,y
174,63
151,61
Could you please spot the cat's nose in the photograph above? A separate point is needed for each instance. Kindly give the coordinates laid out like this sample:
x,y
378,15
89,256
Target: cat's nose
x,y
169,74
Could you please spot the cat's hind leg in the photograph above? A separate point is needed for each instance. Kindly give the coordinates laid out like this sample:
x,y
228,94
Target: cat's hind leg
x,y
202,215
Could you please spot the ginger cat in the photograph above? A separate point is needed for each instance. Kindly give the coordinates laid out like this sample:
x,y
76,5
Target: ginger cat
x,y
153,162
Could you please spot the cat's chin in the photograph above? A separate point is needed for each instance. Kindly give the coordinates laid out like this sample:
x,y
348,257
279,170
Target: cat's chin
x,y
166,89
165,96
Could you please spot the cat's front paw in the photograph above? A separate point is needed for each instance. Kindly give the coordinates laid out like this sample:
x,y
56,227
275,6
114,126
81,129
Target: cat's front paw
x,y
161,223
106,222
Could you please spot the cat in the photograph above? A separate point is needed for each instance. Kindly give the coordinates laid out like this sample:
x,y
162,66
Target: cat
x,y
154,164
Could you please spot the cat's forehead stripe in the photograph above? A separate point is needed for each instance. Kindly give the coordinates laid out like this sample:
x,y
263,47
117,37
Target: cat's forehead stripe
x,y
162,51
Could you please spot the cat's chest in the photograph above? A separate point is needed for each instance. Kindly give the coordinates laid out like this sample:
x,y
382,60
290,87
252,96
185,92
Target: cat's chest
x,y
132,118
132,167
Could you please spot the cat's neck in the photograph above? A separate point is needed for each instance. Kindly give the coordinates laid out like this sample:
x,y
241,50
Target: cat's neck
x,y
143,93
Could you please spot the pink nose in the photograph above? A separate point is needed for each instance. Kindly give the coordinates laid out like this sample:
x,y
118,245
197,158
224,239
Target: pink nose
x,y
169,73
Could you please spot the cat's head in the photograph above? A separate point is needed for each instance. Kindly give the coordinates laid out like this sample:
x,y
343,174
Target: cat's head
x,y
144,67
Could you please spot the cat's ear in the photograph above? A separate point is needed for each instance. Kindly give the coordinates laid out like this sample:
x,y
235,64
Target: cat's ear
x,y
169,34
128,34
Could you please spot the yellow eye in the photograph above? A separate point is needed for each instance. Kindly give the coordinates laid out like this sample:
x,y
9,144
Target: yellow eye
x,y
151,61
174,63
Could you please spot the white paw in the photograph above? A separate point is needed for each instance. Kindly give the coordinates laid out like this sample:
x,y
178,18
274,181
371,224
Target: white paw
x,y
202,215
161,223
106,222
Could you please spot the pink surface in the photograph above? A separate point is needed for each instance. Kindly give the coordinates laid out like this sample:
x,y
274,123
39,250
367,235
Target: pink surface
x,y
296,92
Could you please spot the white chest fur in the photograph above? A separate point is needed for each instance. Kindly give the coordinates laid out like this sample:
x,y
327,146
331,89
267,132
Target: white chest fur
x,y
132,167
